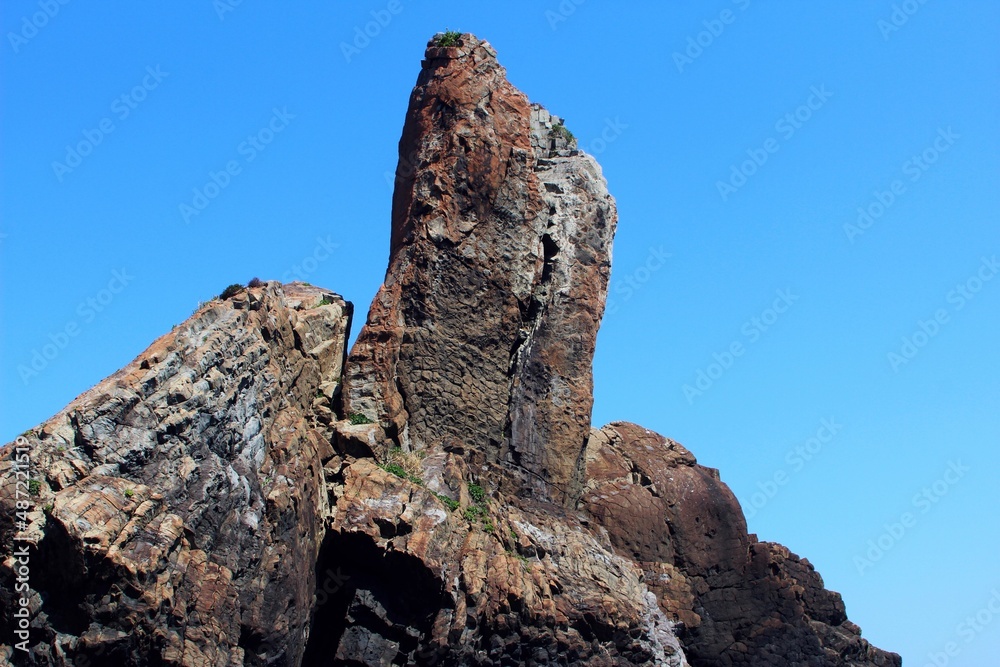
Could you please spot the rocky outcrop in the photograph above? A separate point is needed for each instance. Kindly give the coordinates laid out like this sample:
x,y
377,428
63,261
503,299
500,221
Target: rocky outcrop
x,y
737,601
192,510
179,505
482,336
241,495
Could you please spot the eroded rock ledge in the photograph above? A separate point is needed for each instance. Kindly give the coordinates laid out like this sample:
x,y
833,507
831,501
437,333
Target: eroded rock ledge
x,y
241,495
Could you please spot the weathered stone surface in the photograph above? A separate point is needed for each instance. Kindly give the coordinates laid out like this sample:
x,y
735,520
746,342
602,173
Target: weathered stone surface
x,y
483,333
736,601
180,505
419,583
238,495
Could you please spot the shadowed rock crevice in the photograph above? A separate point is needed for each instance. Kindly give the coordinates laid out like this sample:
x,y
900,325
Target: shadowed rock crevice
x,y
373,607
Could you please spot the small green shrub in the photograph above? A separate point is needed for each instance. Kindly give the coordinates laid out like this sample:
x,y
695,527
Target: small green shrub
x,y
404,464
520,557
448,502
34,487
399,471
129,493
48,507
395,469
255,282
479,510
477,493
473,512
357,418
323,302
231,291
563,131
449,38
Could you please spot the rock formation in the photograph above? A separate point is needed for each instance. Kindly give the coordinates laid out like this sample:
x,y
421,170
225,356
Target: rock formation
x,y
241,495
483,334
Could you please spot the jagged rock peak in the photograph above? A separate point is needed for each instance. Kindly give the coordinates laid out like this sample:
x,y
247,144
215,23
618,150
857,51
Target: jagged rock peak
x,y
481,339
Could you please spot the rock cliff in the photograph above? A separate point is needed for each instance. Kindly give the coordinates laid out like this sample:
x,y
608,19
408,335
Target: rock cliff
x,y
247,493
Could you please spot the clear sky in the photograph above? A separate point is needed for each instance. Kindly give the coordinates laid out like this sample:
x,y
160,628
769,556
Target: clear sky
x,y
804,290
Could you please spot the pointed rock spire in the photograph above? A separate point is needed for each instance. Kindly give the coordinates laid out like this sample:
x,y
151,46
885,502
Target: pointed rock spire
x,y
482,336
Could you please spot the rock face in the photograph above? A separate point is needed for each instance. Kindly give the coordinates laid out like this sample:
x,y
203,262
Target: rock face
x,y
483,334
239,495
737,601
181,501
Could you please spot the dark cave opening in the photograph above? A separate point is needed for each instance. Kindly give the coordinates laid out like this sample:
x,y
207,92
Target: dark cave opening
x,y
373,606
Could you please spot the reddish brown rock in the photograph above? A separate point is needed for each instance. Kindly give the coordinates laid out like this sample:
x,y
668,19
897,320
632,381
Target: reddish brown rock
x,y
192,511
226,499
482,336
737,601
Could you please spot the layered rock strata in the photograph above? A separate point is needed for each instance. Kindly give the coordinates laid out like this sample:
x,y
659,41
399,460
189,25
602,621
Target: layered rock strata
x,y
483,334
179,504
239,495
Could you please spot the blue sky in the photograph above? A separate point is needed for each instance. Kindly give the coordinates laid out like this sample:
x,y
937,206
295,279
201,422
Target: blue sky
x,y
838,365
